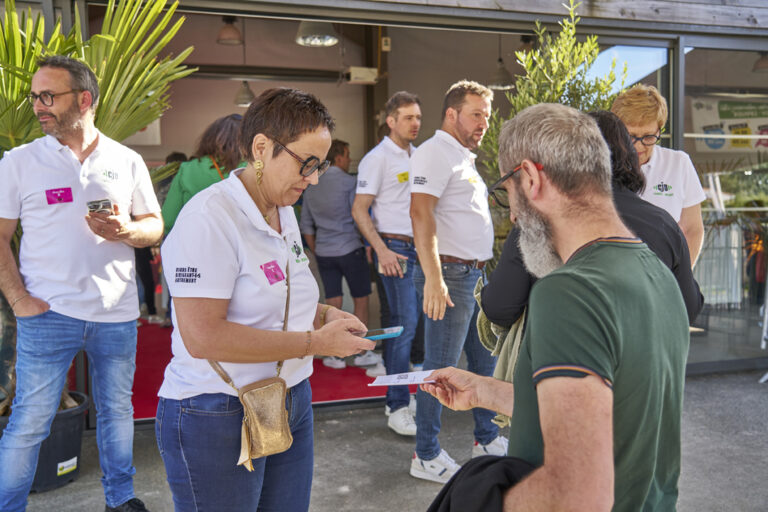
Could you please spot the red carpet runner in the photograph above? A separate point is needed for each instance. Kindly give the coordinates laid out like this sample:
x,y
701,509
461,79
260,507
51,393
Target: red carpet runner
x,y
154,352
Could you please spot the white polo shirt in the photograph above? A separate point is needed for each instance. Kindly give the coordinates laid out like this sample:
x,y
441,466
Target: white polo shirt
x,y
63,262
671,181
221,248
383,173
443,168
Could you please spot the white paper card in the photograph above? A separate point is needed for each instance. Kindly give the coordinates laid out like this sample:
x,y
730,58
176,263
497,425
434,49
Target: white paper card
x,y
402,379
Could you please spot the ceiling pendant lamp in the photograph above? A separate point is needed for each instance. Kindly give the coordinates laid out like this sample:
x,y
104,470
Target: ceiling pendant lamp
x,y
229,34
244,95
316,34
501,79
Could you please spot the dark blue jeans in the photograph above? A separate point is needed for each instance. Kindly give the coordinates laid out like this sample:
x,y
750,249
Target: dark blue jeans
x,y
46,344
403,310
443,342
199,441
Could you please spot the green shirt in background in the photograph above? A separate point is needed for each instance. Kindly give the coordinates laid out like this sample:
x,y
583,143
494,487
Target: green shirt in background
x,y
193,176
616,311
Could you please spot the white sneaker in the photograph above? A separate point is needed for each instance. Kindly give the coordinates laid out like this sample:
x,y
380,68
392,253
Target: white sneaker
x,y
496,447
440,469
411,407
376,371
402,422
369,358
334,362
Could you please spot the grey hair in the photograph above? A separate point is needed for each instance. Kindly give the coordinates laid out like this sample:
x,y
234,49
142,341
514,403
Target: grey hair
x,y
567,143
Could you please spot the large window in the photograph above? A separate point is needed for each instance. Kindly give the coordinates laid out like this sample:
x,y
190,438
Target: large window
x,y
726,114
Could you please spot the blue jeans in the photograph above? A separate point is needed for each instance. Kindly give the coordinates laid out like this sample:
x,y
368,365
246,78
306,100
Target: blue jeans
x,y
199,441
403,310
46,345
443,342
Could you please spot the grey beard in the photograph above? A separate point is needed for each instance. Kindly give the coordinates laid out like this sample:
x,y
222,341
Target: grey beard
x,y
538,251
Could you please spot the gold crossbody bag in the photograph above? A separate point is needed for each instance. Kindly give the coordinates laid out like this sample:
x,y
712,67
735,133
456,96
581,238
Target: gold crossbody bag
x,y
265,430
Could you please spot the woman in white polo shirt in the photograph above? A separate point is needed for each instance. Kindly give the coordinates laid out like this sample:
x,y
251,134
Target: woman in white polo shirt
x,y
232,261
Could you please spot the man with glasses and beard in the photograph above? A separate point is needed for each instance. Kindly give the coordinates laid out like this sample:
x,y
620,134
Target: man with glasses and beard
x,y
453,234
595,403
75,288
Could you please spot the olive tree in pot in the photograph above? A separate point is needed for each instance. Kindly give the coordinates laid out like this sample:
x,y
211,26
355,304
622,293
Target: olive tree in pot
x,y
556,71
134,80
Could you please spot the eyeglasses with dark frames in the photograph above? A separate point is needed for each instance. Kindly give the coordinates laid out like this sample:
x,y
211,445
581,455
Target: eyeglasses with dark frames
x,y
646,140
309,165
46,98
499,193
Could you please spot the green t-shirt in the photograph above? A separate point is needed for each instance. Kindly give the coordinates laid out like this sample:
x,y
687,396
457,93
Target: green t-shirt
x,y
616,311
192,177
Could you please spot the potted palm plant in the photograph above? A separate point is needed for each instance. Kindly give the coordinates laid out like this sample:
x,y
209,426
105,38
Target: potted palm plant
x,y
134,81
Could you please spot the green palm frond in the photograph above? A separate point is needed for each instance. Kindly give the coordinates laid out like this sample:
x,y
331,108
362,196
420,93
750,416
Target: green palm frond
x,y
133,79
134,83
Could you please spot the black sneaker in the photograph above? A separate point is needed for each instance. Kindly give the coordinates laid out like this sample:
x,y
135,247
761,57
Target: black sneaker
x,y
132,505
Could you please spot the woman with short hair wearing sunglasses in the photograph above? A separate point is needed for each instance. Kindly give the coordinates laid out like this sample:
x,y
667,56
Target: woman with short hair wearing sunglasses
x,y
244,297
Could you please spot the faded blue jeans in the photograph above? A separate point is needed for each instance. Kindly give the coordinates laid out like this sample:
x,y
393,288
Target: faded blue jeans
x,y
45,346
443,342
403,310
199,441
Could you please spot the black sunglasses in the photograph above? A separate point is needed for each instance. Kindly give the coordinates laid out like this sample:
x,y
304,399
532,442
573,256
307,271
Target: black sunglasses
x,y
499,193
309,165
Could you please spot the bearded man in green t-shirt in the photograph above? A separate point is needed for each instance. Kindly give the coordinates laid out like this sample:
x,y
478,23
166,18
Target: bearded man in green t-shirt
x,y
597,391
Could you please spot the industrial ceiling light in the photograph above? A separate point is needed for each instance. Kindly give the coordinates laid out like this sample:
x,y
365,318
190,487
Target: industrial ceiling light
x,y
761,64
244,95
501,80
316,34
229,34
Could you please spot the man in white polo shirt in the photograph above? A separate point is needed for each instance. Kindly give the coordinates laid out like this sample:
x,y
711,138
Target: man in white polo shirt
x,y
382,186
75,288
454,238
671,180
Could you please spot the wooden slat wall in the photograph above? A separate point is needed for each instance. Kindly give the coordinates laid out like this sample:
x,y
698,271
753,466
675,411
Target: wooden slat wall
x,y
724,13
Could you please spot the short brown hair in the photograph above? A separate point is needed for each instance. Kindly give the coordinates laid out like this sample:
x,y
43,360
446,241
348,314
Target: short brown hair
x,y
282,114
640,105
337,149
400,99
81,77
456,94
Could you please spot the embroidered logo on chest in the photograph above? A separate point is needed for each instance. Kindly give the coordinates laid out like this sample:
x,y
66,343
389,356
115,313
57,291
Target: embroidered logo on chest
x,y
662,189
109,175
299,252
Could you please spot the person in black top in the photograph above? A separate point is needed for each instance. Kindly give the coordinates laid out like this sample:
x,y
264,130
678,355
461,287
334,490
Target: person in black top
x,y
505,296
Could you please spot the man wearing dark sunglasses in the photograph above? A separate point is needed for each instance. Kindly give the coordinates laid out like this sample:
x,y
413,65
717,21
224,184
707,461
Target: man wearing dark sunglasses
x,y
596,398
85,202
672,183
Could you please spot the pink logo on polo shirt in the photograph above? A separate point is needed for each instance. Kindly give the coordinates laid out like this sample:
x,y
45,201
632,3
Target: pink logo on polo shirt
x,y
58,195
272,271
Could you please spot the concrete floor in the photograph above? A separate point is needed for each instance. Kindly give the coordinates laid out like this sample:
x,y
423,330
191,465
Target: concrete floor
x,y
363,466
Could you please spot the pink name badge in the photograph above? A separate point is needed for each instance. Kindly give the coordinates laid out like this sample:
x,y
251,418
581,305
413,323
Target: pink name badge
x,y
59,195
273,272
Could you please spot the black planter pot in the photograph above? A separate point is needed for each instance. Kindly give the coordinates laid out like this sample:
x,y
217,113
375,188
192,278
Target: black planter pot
x,y
59,461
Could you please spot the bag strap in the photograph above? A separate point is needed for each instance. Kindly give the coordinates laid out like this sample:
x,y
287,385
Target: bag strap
x,y
221,175
222,372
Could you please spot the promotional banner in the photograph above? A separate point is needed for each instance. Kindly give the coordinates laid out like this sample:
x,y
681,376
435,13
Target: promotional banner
x,y
730,117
